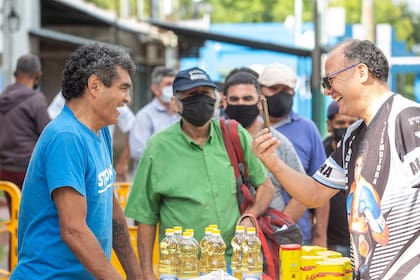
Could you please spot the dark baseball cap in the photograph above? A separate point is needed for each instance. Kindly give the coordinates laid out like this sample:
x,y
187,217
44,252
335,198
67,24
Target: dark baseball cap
x,y
191,78
332,109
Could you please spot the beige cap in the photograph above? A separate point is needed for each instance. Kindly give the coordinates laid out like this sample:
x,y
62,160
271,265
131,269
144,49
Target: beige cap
x,y
278,74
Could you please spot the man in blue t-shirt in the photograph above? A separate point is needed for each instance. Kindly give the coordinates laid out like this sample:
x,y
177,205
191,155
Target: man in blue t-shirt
x,y
69,219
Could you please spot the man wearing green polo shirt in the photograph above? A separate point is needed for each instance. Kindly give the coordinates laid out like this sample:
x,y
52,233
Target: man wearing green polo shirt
x,y
185,177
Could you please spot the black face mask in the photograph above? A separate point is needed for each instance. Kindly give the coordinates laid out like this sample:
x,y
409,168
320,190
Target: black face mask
x,y
198,109
279,104
339,133
244,114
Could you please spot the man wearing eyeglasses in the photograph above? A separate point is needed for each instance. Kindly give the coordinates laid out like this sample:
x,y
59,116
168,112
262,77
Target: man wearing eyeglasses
x,y
377,164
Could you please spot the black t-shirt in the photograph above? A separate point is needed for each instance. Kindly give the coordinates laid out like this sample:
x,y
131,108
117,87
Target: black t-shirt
x,y
338,230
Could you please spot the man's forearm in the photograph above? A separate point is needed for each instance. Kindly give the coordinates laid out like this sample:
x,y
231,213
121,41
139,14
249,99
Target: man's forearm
x,y
122,165
122,245
319,235
300,186
84,245
294,209
145,240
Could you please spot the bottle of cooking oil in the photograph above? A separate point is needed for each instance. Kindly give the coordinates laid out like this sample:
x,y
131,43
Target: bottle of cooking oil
x,y
216,252
252,262
178,238
237,243
178,233
193,238
188,265
204,250
212,226
168,257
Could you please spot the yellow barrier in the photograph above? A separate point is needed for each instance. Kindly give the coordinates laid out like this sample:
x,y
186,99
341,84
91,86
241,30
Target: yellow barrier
x,y
11,224
4,274
122,190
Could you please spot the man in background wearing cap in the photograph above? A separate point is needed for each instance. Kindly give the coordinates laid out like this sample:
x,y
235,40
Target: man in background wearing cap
x,y
338,237
185,177
156,115
278,83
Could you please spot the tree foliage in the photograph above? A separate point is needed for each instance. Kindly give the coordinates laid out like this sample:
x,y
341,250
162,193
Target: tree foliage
x,y
385,12
256,11
406,24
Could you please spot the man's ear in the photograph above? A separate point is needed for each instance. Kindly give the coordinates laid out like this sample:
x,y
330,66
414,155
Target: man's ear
x,y
329,126
155,89
363,72
94,85
37,76
224,101
175,104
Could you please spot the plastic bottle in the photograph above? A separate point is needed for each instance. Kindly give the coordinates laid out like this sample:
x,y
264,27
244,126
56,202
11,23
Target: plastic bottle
x,y
178,238
252,262
178,233
237,243
216,252
204,250
168,257
193,238
214,226
188,265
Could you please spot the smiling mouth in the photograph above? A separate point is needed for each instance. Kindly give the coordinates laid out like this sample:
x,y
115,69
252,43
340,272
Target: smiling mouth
x,y
119,108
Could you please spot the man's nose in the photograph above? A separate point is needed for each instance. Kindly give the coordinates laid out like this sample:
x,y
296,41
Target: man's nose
x,y
327,91
127,97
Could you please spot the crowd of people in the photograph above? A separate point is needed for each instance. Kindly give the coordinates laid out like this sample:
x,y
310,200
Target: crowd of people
x,y
349,192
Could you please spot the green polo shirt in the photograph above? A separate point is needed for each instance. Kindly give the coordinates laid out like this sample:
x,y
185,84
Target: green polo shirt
x,y
179,183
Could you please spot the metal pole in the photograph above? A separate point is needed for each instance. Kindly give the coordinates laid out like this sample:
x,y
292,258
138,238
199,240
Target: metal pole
x,y
298,20
7,57
318,102
368,20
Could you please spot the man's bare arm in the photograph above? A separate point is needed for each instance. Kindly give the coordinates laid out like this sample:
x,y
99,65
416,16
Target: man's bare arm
x,y
145,241
72,211
121,243
300,186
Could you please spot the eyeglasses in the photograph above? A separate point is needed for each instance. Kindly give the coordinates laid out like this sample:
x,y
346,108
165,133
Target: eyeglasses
x,y
326,81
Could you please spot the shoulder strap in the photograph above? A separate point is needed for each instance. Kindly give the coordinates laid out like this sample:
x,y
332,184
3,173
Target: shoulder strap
x,y
236,142
226,132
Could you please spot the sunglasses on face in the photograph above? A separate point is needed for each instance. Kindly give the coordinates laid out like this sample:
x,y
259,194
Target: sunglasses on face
x,y
326,81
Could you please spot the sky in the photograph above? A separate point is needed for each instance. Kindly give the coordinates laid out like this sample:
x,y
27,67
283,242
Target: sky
x,y
414,5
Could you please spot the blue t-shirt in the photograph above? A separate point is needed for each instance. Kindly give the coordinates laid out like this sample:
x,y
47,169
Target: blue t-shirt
x,y
67,154
307,142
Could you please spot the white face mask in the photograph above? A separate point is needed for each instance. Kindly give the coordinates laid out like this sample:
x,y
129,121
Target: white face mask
x,y
166,94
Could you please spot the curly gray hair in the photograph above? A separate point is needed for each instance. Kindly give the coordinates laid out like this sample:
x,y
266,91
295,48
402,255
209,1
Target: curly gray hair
x,y
93,59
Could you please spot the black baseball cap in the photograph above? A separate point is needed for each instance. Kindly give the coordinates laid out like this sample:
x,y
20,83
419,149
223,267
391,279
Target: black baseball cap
x,y
191,78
